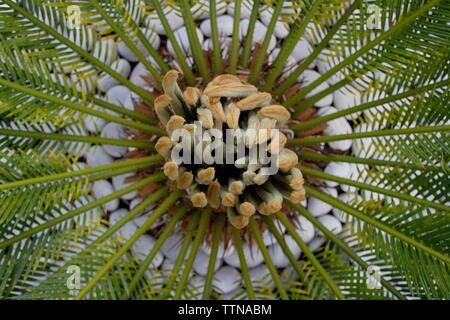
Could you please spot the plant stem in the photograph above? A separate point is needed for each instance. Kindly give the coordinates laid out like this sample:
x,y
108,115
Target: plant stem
x,y
80,51
158,244
217,58
255,72
308,253
86,139
273,271
130,164
316,156
162,208
235,39
315,121
360,135
377,224
131,44
365,186
289,44
402,23
342,245
92,205
246,51
219,224
81,108
200,233
244,269
197,52
181,57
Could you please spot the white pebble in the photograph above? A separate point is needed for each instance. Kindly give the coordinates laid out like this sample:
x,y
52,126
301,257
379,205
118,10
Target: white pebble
x,y
106,81
335,127
120,96
173,18
96,156
225,45
221,251
352,199
308,77
115,131
172,246
277,255
201,263
128,54
103,188
105,50
345,98
302,50
93,124
338,169
331,223
281,30
246,9
119,183
317,207
268,237
183,40
224,26
142,248
252,254
304,227
261,276
226,279
258,34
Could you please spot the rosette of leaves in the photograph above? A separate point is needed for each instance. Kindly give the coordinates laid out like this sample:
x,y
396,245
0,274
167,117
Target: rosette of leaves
x,y
82,187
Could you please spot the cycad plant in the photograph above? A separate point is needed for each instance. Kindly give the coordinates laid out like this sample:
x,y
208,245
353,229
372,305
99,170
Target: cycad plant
x,y
93,205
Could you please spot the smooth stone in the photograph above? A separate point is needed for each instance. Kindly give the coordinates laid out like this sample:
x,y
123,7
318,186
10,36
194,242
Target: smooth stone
x,y
365,147
302,50
226,279
289,66
358,172
331,223
196,285
344,98
308,77
305,228
253,256
277,255
183,41
84,37
335,127
288,276
225,45
316,243
105,49
85,85
224,26
314,33
281,30
352,199
338,169
93,124
127,230
268,237
200,10
173,18
246,9
119,184
221,251
258,34
142,248
96,156
201,263
317,207
261,276
114,131
128,54
106,81
103,188
120,96
172,246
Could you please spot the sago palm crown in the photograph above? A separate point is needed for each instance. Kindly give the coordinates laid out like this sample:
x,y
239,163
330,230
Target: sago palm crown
x,y
349,99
